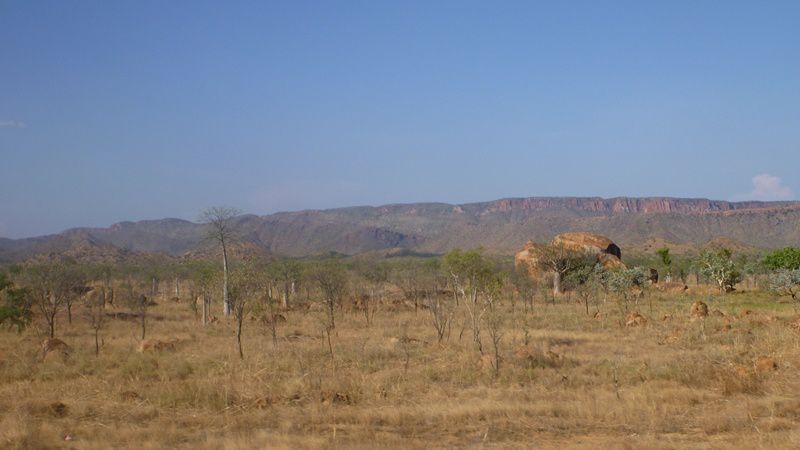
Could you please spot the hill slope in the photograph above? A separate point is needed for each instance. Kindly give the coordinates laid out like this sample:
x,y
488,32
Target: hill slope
x,y
499,226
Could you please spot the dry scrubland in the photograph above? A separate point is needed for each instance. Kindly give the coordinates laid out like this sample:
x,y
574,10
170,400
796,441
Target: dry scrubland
x,y
565,380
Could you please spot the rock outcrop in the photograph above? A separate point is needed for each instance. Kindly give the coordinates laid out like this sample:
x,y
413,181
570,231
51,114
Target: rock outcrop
x,y
604,249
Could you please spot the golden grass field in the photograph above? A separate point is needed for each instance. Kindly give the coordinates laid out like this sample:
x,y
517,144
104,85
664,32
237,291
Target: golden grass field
x,y
566,380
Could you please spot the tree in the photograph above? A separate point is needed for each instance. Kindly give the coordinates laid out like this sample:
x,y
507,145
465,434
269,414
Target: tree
x,y
96,317
786,282
287,272
560,260
718,265
524,285
786,258
666,260
375,275
331,278
15,304
664,256
624,282
408,276
220,222
478,281
586,281
52,285
204,278
246,284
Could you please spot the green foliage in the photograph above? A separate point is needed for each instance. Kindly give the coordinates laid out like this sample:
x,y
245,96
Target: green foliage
x,y
718,265
786,258
664,256
786,283
472,272
622,281
15,304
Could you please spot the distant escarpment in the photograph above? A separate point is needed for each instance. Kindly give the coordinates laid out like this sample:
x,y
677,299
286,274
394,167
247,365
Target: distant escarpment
x,y
500,226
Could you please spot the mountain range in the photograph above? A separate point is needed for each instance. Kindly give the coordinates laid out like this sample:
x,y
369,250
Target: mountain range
x,y
500,226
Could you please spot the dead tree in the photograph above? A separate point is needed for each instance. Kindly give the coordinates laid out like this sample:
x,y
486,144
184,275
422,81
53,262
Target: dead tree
x,y
220,222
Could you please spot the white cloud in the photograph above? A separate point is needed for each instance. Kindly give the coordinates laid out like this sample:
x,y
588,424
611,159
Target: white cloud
x,y
11,124
767,187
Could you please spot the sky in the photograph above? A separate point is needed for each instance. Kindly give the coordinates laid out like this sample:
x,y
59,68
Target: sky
x,y
113,111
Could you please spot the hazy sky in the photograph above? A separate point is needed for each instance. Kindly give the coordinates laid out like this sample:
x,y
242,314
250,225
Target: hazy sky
x,y
129,110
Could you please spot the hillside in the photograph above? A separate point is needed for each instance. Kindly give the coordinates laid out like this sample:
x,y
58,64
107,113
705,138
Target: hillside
x,y
500,226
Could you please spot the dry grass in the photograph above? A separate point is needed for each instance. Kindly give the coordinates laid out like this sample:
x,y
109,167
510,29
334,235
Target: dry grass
x,y
565,380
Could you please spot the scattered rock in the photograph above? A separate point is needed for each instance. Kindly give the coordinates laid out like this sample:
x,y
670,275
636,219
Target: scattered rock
x,y
765,364
55,348
58,409
634,319
742,372
699,310
744,313
716,313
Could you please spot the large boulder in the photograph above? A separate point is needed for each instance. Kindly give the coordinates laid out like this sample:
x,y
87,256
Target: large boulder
x,y
605,250
527,259
587,242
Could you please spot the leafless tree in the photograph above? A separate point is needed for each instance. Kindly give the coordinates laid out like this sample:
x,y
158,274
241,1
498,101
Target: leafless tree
x,y
96,317
331,277
52,285
247,284
441,315
287,273
220,222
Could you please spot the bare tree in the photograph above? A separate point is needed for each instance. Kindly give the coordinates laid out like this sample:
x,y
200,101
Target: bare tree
x,y
221,229
52,285
287,272
246,285
375,275
478,281
331,278
203,278
96,317
441,315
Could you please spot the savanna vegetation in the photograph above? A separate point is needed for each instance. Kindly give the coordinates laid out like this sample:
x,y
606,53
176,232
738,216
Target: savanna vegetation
x,y
457,350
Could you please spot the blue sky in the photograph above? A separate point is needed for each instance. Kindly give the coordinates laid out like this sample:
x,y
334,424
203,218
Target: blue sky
x,y
115,111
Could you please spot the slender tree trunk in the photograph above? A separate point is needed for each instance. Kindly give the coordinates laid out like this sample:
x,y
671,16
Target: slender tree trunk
x,y
96,341
239,320
556,283
205,309
225,299
331,306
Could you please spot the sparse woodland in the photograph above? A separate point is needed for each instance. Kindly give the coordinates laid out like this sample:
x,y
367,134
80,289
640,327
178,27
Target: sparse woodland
x,y
408,352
